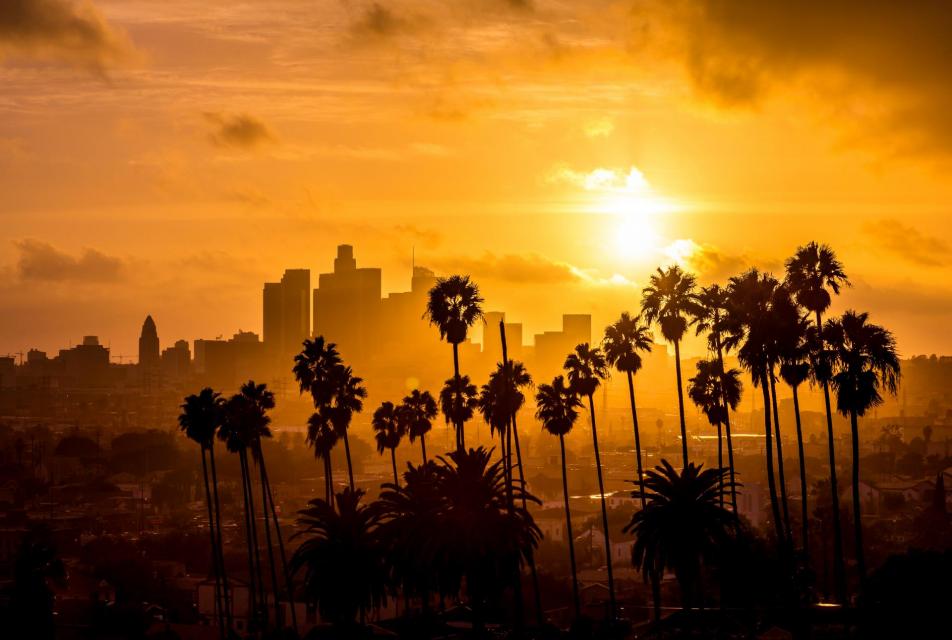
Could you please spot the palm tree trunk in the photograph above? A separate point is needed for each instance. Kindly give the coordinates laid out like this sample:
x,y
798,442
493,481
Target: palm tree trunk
x,y
226,590
249,540
634,424
216,569
259,577
720,463
507,466
601,492
393,460
727,427
656,594
568,525
284,559
768,446
839,563
804,511
350,466
540,617
460,436
278,618
780,473
327,478
684,432
423,446
857,520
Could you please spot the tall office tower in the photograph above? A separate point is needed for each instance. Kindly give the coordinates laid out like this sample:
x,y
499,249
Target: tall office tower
x,y
577,327
295,309
347,305
149,345
286,314
492,344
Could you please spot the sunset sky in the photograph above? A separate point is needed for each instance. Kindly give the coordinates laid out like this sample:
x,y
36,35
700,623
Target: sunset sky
x,y
167,157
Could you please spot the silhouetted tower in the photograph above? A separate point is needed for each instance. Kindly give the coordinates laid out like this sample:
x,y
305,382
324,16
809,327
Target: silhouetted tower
x,y
149,345
286,317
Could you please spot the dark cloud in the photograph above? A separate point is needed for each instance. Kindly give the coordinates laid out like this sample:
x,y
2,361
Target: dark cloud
x,y
377,21
907,243
40,261
521,269
66,30
238,131
886,63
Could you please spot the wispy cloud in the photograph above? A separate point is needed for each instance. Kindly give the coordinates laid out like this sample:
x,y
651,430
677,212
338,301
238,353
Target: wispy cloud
x,y
41,261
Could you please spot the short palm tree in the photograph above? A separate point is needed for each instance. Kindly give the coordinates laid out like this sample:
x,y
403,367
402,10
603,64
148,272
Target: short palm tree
x,y
419,409
710,389
623,341
813,273
200,418
586,368
322,437
458,403
454,305
865,363
669,300
683,526
557,409
388,432
342,557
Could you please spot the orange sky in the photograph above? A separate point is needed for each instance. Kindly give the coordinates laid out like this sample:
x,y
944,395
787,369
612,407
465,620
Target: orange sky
x,y
167,157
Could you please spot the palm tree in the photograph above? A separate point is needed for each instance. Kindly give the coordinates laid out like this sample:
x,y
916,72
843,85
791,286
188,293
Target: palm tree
x,y
347,398
454,305
388,432
557,409
322,437
199,420
458,402
865,363
751,294
586,368
794,371
712,316
343,557
683,526
419,410
669,300
710,389
623,340
812,273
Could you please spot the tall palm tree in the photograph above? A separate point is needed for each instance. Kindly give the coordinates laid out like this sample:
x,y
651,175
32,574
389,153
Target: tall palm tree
x,y
557,409
322,437
794,371
458,402
347,398
812,274
683,526
750,332
623,341
454,305
343,558
669,300
419,409
200,418
586,368
388,432
716,392
865,363
712,316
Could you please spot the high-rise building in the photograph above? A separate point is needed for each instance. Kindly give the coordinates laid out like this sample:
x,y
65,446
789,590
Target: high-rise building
x,y
286,316
149,345
492,342
347,304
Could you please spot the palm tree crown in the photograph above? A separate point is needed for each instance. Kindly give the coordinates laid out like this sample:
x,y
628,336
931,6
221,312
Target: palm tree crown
x,y
668,300
388,428
458,403
623,340
586,368
419,409
454,305
711,387
201,415
810,272
865,362
557,406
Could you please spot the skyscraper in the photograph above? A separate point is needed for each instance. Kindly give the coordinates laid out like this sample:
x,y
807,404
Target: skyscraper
x,y
286,317
347,304
149,345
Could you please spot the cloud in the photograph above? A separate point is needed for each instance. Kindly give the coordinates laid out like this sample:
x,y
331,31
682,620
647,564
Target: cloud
x,y
377,22
629,180
70,31
238,131
883,63
520,269
429,238
907,243
42,262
